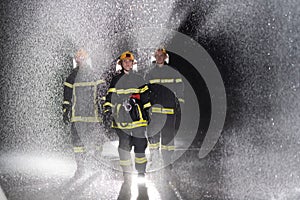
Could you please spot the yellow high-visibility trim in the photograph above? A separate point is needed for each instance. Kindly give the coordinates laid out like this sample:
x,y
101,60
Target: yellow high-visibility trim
x,y
181,100
66,102
103,98
68,84
168,148
140,112
167,80
144,89
100,82
79,149
127,91
125,162
147,105
154,145
178,80
89,83
112,90
64,110
167,111
154,81
140,160
156,110
85,119
82,84
131,125
107,104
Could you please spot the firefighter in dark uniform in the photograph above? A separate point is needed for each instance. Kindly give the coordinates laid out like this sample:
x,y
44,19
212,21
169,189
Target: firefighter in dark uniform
x,y
129,117
81,109
162,74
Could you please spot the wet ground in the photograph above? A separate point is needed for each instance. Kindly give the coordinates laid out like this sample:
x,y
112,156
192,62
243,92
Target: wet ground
x,y
50,176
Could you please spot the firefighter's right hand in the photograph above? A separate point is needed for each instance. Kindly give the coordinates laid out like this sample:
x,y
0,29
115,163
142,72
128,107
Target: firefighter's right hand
x,y
66,114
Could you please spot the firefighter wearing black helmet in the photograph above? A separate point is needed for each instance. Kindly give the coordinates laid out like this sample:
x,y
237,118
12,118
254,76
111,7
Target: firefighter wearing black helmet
x,y
81,110
127,115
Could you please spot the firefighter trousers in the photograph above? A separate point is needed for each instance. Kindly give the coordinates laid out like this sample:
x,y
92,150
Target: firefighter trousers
x,y
85,139
126,142
164,139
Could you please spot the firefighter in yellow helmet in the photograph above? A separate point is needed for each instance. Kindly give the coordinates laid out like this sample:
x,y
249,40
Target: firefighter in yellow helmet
x,y
80,109
163,74
127,115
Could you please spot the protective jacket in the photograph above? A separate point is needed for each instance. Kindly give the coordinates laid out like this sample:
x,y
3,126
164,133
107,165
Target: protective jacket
x,y
124,100
170,78
80,94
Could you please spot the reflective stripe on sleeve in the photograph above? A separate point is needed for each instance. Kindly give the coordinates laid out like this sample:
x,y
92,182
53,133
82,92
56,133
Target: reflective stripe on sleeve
x,y
66,102
108,104
144,89
147,105
69,85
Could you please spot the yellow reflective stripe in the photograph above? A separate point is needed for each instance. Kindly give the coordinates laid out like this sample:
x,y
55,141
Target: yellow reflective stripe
x,y
85,119
68,84
167,80
64,110
153,146
140,160
112,90
147,105
125,162
168,148
108,104
140,112
79,149
178,80
144,89
103,98
181,100
118,109
156,110
154,81
127,91
66,102
89,83
100,82
167,111
130,125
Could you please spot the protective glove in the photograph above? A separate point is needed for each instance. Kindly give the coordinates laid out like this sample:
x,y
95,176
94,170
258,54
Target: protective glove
x,y
107,117
66,113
